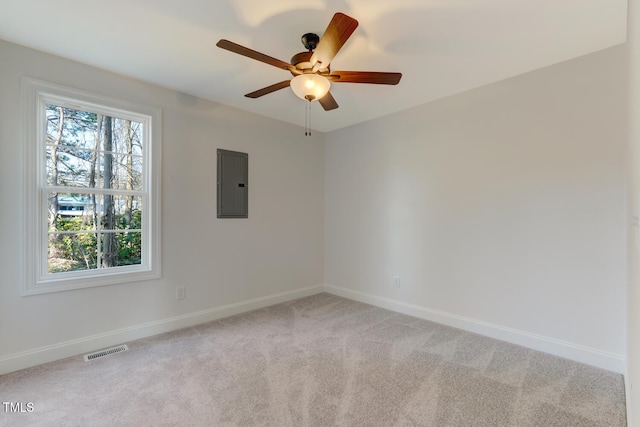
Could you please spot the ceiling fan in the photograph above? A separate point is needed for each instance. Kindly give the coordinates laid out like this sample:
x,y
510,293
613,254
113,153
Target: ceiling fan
x,y
312,76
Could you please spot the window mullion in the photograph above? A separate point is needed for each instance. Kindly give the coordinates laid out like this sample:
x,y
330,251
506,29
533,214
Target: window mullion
x,y
92,190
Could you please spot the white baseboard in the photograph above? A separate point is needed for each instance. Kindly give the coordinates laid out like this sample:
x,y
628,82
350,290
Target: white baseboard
x,y
38,356
590,356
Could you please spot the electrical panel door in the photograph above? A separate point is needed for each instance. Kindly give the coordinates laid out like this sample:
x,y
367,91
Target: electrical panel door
x,y
233,185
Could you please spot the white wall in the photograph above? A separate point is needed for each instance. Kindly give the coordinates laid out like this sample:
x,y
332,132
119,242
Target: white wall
x,y
278,249
633,293
501,209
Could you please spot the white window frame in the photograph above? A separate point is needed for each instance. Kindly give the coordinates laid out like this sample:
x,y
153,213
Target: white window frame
x,y
38,280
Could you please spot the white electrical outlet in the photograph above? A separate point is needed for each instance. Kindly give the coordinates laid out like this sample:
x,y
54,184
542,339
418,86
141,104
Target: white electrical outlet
x,y
396,281
180,292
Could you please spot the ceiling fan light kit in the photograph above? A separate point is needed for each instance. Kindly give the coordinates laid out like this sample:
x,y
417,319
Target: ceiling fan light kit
x,y
310,86
312,76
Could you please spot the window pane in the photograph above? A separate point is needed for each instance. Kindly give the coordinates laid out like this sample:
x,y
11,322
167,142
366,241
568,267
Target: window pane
x,y
71,252
120,212
127,136
121,248
71,212
72,128
120,171
70,166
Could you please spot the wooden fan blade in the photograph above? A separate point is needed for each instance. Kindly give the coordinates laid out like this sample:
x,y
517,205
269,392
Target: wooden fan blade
x,y
250,53
266,90
335,36
327,102
372,77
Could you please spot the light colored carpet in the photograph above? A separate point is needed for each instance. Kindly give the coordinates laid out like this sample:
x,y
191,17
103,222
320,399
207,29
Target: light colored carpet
x,y
317,361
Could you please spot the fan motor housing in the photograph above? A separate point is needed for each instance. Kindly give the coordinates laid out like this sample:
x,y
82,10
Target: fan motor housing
x,y
302,62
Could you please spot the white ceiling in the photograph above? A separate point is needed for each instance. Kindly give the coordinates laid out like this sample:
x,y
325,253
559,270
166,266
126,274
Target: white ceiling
x,y
442,47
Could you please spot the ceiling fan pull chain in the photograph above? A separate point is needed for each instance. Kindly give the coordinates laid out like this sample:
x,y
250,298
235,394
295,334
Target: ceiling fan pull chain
x,y
307,120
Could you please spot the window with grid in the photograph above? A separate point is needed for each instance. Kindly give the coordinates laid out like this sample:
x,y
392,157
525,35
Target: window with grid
x,y
93,189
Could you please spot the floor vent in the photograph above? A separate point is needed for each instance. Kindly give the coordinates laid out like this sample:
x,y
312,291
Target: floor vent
x,y
105,352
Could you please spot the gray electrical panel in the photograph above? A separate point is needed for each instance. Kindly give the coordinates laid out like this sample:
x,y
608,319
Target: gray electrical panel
x,y
233,184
